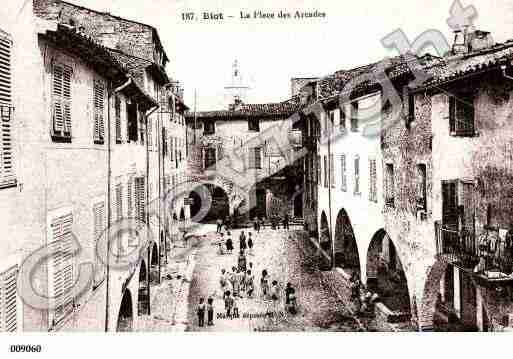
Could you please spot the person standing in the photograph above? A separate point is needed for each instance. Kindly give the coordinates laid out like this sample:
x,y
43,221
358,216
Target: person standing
x,y
210,311
223,281
219,225
242,241
275,291
264,284
242,261
290,299
228,304
250,244
235,281
250,283
201,312
229,244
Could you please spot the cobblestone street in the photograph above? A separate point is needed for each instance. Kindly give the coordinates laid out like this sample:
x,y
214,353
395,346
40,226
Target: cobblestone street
x,y
281,254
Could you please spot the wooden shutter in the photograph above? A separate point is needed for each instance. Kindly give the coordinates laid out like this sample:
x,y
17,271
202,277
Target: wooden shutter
x,y
357,174
130,198
61,267
140,198
99,227
373,181
61,95
7,177
8,300
343,172
5,70
117,114
150,134
99,106
452,114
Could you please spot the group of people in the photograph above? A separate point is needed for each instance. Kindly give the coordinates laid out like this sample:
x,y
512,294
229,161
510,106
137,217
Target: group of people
x,y
244,244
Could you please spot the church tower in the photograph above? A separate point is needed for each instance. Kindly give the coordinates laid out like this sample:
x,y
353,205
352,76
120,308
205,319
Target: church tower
x,y
237,89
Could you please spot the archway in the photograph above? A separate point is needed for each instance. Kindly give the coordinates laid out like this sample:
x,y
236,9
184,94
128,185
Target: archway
x,y
125,316
143,298
219,207
385,274
346,249
325,235
450,302
298,205
257,202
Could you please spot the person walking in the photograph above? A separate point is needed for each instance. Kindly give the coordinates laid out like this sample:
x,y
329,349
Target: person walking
x,y
250,284
286,222
264,284
228,304
242,241
219,225
229,244
234,280
210,311
201,312
242,261
250,244
223,281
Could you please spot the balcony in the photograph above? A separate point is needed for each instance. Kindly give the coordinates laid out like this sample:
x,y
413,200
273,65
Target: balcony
x,y
296,138
486,255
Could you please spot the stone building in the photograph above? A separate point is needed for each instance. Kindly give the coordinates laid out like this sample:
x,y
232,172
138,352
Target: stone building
x,y
246,157
81,161
440,253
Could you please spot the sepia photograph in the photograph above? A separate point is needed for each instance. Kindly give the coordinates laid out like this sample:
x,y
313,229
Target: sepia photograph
x,y
288,166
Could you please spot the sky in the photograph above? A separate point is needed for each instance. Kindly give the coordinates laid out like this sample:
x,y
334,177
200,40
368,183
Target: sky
x,y
272,51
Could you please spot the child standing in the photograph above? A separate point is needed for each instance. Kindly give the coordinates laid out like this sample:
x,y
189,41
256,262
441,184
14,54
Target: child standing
x,y
235,307
210,311
264,284
201,312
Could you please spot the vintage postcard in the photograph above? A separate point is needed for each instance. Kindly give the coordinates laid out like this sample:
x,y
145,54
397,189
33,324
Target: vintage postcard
x,y
268,166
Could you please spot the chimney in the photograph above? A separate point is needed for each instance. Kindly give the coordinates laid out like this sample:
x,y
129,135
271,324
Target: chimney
x,y
468,40
47,9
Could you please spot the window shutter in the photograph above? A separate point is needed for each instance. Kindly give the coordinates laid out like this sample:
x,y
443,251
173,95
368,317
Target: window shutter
x,y
130,199
99,227
61,267
99,106
357,175
117,110
150,134
5,71
452,114
332,171
372,181
8,300
140,200
343,172
61,94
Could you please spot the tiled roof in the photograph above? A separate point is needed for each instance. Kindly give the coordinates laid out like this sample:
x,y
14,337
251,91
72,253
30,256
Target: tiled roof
x,y
135,65
453,67
271,110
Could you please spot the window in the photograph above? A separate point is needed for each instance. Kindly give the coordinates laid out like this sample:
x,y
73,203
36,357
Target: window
x,y
354,116
325,172
210,158
357,175
142,130
140,199
458,207
461,115
131,115
99,106
389,185
117,115
421,187
373,190
99,227
332,171
8,300
60,267
164,142
7,177
255,158
253,124
209,127
343,173
61,100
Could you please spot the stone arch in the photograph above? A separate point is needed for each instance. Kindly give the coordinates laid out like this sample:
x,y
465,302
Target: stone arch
x,y
325,242
154,263
219,207
143,297
385,273
182,214
345,246
126,313
438,311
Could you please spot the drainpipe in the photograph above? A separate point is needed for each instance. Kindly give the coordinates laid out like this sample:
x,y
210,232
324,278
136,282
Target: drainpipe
x,y
109,175
332,241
